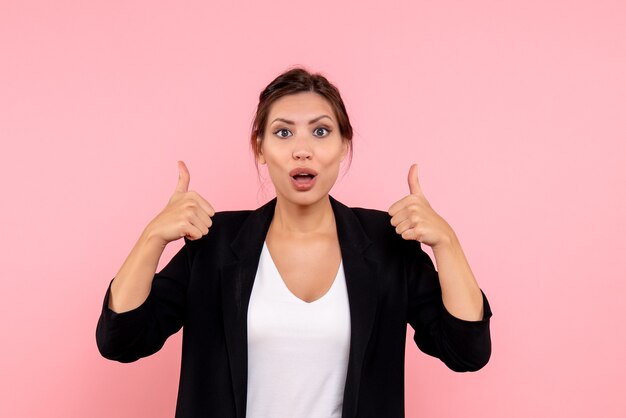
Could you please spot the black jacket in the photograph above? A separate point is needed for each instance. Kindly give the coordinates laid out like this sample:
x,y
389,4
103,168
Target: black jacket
x,y
206,288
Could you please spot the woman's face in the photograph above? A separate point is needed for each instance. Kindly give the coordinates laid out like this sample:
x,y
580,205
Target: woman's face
x,y
302,147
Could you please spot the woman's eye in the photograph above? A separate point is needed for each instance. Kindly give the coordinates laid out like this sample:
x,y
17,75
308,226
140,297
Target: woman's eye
x,y
321,132
282,133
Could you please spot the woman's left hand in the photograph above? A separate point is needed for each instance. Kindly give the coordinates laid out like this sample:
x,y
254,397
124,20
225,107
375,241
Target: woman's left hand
x,y
414,219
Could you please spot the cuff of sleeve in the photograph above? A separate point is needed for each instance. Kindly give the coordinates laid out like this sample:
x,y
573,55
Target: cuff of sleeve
x,y
128,316
462,323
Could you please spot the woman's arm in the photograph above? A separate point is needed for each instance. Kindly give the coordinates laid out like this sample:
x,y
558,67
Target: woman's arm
x,y
460,292
132,283
186,214
415,219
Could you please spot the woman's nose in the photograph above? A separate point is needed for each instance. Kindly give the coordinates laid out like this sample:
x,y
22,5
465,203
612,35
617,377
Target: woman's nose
x,y
302,149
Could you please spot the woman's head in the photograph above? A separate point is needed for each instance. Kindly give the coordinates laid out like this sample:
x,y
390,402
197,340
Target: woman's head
x,y
298,80
302,133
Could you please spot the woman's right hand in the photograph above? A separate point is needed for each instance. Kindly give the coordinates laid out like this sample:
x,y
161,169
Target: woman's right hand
x,y
187,214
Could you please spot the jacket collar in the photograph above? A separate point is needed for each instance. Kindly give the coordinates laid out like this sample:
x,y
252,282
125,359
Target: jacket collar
x,y
237,279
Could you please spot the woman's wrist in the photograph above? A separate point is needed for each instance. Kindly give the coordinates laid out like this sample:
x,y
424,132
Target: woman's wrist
x,y
150,239
446,243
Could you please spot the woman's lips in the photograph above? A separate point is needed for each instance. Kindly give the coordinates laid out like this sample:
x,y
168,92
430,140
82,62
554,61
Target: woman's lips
x,y
303,178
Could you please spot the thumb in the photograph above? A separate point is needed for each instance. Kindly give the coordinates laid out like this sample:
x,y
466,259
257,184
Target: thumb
x,y
414,183
183,178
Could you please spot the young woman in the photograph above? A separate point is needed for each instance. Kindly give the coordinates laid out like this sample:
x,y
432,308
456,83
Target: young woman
x,y
299,308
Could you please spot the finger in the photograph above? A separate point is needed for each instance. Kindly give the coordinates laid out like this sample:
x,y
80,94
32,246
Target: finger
x,y
414,183
204,204
411,234
398,206
400,216
405,213
195,226
183,178
205,218
405,225
403,203
192,232
200,224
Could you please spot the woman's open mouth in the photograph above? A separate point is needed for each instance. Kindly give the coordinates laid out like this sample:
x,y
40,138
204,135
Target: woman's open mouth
x,y
303,178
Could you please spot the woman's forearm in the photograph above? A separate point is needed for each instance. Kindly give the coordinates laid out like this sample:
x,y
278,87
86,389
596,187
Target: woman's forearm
x,y
133,282
461,295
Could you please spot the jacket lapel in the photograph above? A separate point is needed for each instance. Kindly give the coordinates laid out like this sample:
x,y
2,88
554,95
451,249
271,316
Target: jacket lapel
x,y
237,279
360,273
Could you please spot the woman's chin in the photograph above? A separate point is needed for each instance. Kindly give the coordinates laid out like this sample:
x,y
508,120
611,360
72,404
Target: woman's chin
x,y
303,198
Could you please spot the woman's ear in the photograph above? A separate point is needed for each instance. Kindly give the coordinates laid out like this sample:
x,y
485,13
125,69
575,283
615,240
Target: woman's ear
x,y
345,144
259,152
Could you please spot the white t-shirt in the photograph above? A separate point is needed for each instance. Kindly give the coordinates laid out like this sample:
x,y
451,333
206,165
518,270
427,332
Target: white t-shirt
x,y
297,351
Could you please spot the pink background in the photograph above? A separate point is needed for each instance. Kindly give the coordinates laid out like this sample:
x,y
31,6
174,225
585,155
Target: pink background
x,y
514,110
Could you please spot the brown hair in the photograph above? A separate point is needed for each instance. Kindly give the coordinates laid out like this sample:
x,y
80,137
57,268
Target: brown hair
x,y
298,80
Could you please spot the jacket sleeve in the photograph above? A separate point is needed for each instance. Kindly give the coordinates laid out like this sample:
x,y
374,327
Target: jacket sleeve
x,y
140,332
462,345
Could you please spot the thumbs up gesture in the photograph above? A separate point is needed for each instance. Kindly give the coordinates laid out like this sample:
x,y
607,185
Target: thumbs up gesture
x,y
187,214
414,219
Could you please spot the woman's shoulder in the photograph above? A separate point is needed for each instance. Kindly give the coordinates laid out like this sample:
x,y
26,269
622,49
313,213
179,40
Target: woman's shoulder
x,y
229,225
375,223
373,220
230,221
366,216
231,215
369,213
224,227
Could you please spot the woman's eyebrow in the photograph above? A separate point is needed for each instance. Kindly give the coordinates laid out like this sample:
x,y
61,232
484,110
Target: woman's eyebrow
x,y
312,121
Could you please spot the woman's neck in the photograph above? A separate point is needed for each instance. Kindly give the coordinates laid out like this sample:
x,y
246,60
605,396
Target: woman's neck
x,y
293,219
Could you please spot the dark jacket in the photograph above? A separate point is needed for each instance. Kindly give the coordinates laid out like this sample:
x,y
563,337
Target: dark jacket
x,y
206,288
